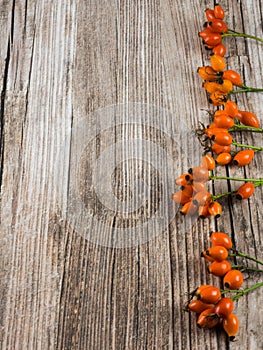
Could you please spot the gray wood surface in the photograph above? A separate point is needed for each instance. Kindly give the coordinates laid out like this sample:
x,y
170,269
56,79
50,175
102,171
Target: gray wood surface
x,y
81,177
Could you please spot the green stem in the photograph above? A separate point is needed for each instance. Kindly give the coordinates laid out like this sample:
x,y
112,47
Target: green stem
x,y
242,35
238,127
240,293
246,89
224,291
258,182
247,146
242,255
215,198
246,268
245,291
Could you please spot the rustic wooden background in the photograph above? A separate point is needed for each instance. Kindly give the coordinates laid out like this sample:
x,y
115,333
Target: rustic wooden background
x,y
59,61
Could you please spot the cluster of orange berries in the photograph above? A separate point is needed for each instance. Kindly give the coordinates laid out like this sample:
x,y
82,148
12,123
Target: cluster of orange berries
x,y
214,28
218,82
207,301
219,131
193,195
217,136
212,308
219,266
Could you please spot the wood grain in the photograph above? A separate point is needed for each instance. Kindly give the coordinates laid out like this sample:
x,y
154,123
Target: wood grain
x,y
64,65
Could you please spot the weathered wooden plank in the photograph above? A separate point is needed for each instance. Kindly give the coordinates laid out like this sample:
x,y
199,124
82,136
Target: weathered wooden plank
x,y
74,273
30,252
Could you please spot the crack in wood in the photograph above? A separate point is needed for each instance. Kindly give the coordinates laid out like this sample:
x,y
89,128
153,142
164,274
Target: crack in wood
x,y
2,116
3,95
